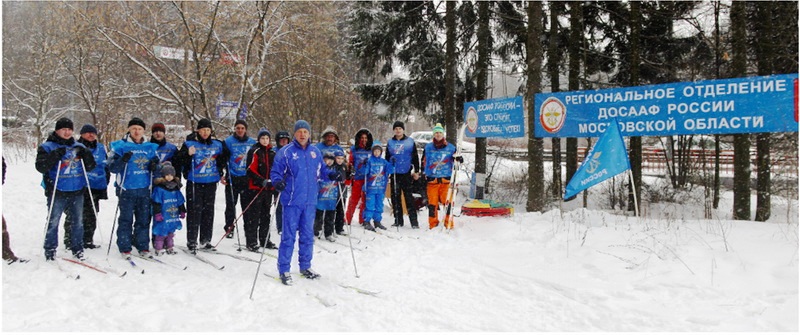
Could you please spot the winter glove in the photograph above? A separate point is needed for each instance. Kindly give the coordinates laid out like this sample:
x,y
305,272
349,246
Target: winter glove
x,y
336,175
182,215
280,185
81,152
458,158
153,165
266,183
57,153
158,217
127,156
393,159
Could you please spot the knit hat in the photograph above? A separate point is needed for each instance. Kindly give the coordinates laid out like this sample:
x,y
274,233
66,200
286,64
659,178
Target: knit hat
x,y
159,127
282,134
204,123
263,132
338,153
377,146
399,124
302,124
438,128
136,122
240,122
167,169
87,128
329,155
64,123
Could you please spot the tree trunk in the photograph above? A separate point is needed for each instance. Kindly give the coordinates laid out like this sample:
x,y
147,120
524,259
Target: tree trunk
x,y
741,142
450,72
552,69
482,78
635,150
764,58
573,49
534,73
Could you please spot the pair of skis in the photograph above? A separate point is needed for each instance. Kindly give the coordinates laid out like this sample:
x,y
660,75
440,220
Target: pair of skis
x,y
452,191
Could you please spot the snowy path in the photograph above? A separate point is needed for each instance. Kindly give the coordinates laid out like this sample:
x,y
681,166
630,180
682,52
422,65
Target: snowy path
x,y
587,271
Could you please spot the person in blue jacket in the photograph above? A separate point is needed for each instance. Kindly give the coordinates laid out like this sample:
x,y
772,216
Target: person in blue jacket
x,y
203,159
166,151
437,160
329,144
133,160
98,185
328,200
169,208
58,160
377,177
296,173
401,151
236,182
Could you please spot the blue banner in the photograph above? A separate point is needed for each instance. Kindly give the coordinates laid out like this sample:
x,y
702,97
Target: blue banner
x,y
500,117
607,158
230,110
728,106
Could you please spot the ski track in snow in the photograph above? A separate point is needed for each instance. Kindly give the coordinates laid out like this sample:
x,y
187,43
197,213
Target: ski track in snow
x,y
585,270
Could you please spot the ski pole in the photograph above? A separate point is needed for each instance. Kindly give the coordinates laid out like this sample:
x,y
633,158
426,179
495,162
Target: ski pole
x,y
260,260
233,198
91,197
397,196
52,200
349,233
240,215
114,222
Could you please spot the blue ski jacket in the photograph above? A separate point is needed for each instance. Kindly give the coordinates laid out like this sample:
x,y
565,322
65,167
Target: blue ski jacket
x,y
238,147
301,169
138,174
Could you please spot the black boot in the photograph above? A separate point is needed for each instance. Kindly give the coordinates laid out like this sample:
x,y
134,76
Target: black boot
x,y
368,226
379,225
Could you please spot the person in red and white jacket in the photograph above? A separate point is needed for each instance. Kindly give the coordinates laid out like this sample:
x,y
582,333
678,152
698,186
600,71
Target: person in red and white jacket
x,y
258,193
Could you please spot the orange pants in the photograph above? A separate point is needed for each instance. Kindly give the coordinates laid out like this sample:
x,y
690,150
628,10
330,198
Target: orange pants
x,y
437,193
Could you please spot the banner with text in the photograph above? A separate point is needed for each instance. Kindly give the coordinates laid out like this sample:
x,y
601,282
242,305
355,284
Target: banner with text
x,y
727,106
500,117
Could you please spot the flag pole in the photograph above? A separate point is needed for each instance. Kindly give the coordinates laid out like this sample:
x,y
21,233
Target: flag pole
x,y
635,202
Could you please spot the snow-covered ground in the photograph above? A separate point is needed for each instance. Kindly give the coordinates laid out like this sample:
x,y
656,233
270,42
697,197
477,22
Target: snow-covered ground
x,y
576,270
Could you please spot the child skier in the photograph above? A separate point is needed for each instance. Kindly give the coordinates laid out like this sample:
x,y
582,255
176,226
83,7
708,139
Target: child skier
x,y
168,204
328,199
376,179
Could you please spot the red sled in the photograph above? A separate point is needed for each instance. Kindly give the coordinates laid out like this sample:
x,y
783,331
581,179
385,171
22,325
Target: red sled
x,y
487,211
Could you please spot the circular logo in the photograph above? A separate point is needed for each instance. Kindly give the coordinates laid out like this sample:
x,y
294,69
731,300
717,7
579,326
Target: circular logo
x,y
472,119
552,115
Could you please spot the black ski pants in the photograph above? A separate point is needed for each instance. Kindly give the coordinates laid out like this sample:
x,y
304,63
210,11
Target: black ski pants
x,y
257,217
200,217
402,185
234,192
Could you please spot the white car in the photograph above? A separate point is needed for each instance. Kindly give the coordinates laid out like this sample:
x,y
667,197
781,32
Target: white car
x,y
422,138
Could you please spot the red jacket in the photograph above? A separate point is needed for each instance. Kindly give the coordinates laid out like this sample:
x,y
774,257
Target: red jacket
x,y
261,159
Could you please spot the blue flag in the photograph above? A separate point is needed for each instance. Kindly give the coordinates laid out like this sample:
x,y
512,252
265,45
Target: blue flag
x,y
607,158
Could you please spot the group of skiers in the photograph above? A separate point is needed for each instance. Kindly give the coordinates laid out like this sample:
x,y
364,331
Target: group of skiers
x,y
307,183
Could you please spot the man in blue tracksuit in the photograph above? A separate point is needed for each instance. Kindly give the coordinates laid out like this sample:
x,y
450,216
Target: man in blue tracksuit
x,y
296,172
203,159
133,160
57,159
236,181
